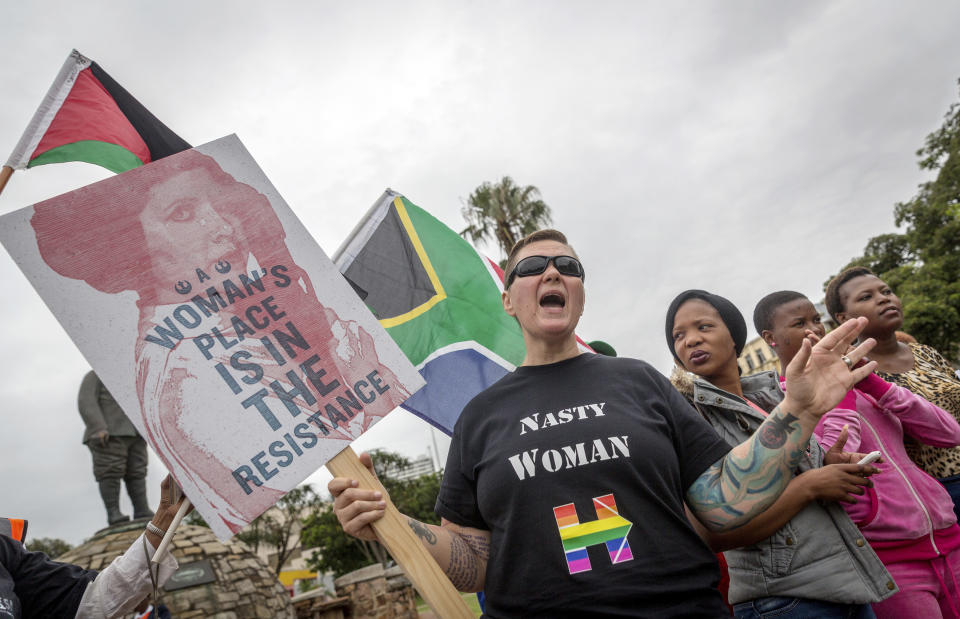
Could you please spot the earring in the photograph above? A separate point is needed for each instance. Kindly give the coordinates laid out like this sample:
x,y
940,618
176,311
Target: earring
x,y
773,345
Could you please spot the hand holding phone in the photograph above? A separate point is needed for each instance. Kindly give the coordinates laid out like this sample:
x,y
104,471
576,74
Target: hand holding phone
x,y
871,457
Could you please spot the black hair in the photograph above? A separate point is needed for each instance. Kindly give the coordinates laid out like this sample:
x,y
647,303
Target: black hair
x,y
763,312
729,314
833,301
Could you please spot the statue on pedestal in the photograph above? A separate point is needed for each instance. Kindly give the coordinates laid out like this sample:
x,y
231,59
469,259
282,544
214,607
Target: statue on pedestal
x,y
118,450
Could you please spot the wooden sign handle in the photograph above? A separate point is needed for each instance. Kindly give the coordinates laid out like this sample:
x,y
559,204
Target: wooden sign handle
x,y
403,544
5,173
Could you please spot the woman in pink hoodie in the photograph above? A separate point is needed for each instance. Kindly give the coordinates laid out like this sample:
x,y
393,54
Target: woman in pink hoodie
x,y
907,516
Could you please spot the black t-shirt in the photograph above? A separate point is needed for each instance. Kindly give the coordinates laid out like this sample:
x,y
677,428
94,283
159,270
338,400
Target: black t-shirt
x,y
578,469
32,585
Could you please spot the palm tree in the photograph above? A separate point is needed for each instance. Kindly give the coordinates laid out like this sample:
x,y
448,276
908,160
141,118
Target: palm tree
x,y
504,212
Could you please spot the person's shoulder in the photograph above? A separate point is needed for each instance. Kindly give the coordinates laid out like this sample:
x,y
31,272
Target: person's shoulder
x,y
89,387
928,354
627,366
767,381
480,404
636,374
10,551
624,364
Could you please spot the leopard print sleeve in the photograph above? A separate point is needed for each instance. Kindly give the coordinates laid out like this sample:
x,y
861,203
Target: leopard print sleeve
x,y
934,379
937,359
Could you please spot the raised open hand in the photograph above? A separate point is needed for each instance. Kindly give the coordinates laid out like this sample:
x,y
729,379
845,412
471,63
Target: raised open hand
x,y
820,375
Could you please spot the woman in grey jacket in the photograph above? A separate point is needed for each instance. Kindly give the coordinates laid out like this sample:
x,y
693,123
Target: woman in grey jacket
x,y
803,557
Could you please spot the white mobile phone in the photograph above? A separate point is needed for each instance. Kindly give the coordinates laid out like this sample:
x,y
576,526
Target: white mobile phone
x,y
870,457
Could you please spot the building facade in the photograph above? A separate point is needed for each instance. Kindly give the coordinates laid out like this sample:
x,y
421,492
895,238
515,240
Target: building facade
x,y
757,356
422,465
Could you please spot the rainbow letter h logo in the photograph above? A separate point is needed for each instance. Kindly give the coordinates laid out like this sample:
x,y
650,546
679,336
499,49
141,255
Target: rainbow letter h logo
x,y
609,528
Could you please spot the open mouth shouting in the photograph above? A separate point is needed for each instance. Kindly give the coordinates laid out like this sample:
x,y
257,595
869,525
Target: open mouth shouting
x,y
553,300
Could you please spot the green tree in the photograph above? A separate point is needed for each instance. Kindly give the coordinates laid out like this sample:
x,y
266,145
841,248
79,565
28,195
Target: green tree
x,y
256,533
338,552
279,527
194,518
414,497
504,213
52,546
923,263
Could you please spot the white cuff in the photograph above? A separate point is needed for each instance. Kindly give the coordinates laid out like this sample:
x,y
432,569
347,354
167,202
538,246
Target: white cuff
x,y
125,582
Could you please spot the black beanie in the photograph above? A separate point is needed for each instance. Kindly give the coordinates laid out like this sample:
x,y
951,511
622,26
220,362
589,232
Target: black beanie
x,y
729,313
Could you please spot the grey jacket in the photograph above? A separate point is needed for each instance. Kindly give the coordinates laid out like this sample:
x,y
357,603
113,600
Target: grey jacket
x,y
100,411
820,554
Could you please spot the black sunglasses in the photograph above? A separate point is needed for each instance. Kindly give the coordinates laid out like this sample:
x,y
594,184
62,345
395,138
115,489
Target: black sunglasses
x,y
535,265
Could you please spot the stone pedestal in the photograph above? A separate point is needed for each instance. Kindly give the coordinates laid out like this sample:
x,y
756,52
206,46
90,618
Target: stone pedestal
x,y
318,605
223,581
376,592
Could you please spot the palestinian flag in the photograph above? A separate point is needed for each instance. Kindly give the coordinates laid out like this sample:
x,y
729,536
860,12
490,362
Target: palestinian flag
x,y
87,116
439,300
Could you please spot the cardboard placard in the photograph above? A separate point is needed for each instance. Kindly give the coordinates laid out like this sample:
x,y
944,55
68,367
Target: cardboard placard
x,y
235,346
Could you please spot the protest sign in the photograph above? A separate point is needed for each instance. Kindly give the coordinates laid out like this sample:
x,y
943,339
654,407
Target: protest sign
x,y
233,343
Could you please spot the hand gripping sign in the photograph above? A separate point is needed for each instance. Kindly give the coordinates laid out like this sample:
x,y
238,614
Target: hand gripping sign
x,y
216,321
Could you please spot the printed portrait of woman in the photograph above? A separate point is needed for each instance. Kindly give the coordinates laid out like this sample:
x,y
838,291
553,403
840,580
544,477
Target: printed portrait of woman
x,y
220,302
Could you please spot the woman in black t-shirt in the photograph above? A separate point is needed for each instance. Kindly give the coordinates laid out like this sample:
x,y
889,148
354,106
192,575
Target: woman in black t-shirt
x,y
544,292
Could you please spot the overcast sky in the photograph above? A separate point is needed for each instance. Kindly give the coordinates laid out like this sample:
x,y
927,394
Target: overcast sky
x,y
741,147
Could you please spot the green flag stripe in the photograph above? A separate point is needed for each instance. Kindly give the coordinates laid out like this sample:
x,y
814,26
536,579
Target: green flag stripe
x,y
110,156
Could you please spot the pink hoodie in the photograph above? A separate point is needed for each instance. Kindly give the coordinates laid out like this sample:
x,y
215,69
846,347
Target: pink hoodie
x,y
907,514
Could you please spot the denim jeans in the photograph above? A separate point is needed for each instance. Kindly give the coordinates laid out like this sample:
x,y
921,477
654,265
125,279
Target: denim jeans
x,y
800,608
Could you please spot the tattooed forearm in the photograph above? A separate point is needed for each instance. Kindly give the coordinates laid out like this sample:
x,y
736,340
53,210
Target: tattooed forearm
x,y
461,551
773,433
464,568
480,544
425,534
751,476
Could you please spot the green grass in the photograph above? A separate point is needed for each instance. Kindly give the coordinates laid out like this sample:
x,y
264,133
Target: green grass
x,y
469,598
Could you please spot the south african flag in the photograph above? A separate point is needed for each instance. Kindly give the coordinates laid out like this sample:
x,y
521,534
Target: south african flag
x,y
439,300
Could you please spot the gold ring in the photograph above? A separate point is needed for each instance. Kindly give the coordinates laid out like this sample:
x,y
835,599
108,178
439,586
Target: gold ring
x,y
847,361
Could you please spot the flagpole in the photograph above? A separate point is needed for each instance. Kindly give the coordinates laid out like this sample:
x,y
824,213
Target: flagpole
x,y
388,194
395,533
168,536
5,173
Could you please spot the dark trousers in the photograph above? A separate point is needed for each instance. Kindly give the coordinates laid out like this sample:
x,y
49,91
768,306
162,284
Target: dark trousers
x,y
952,484
123,457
